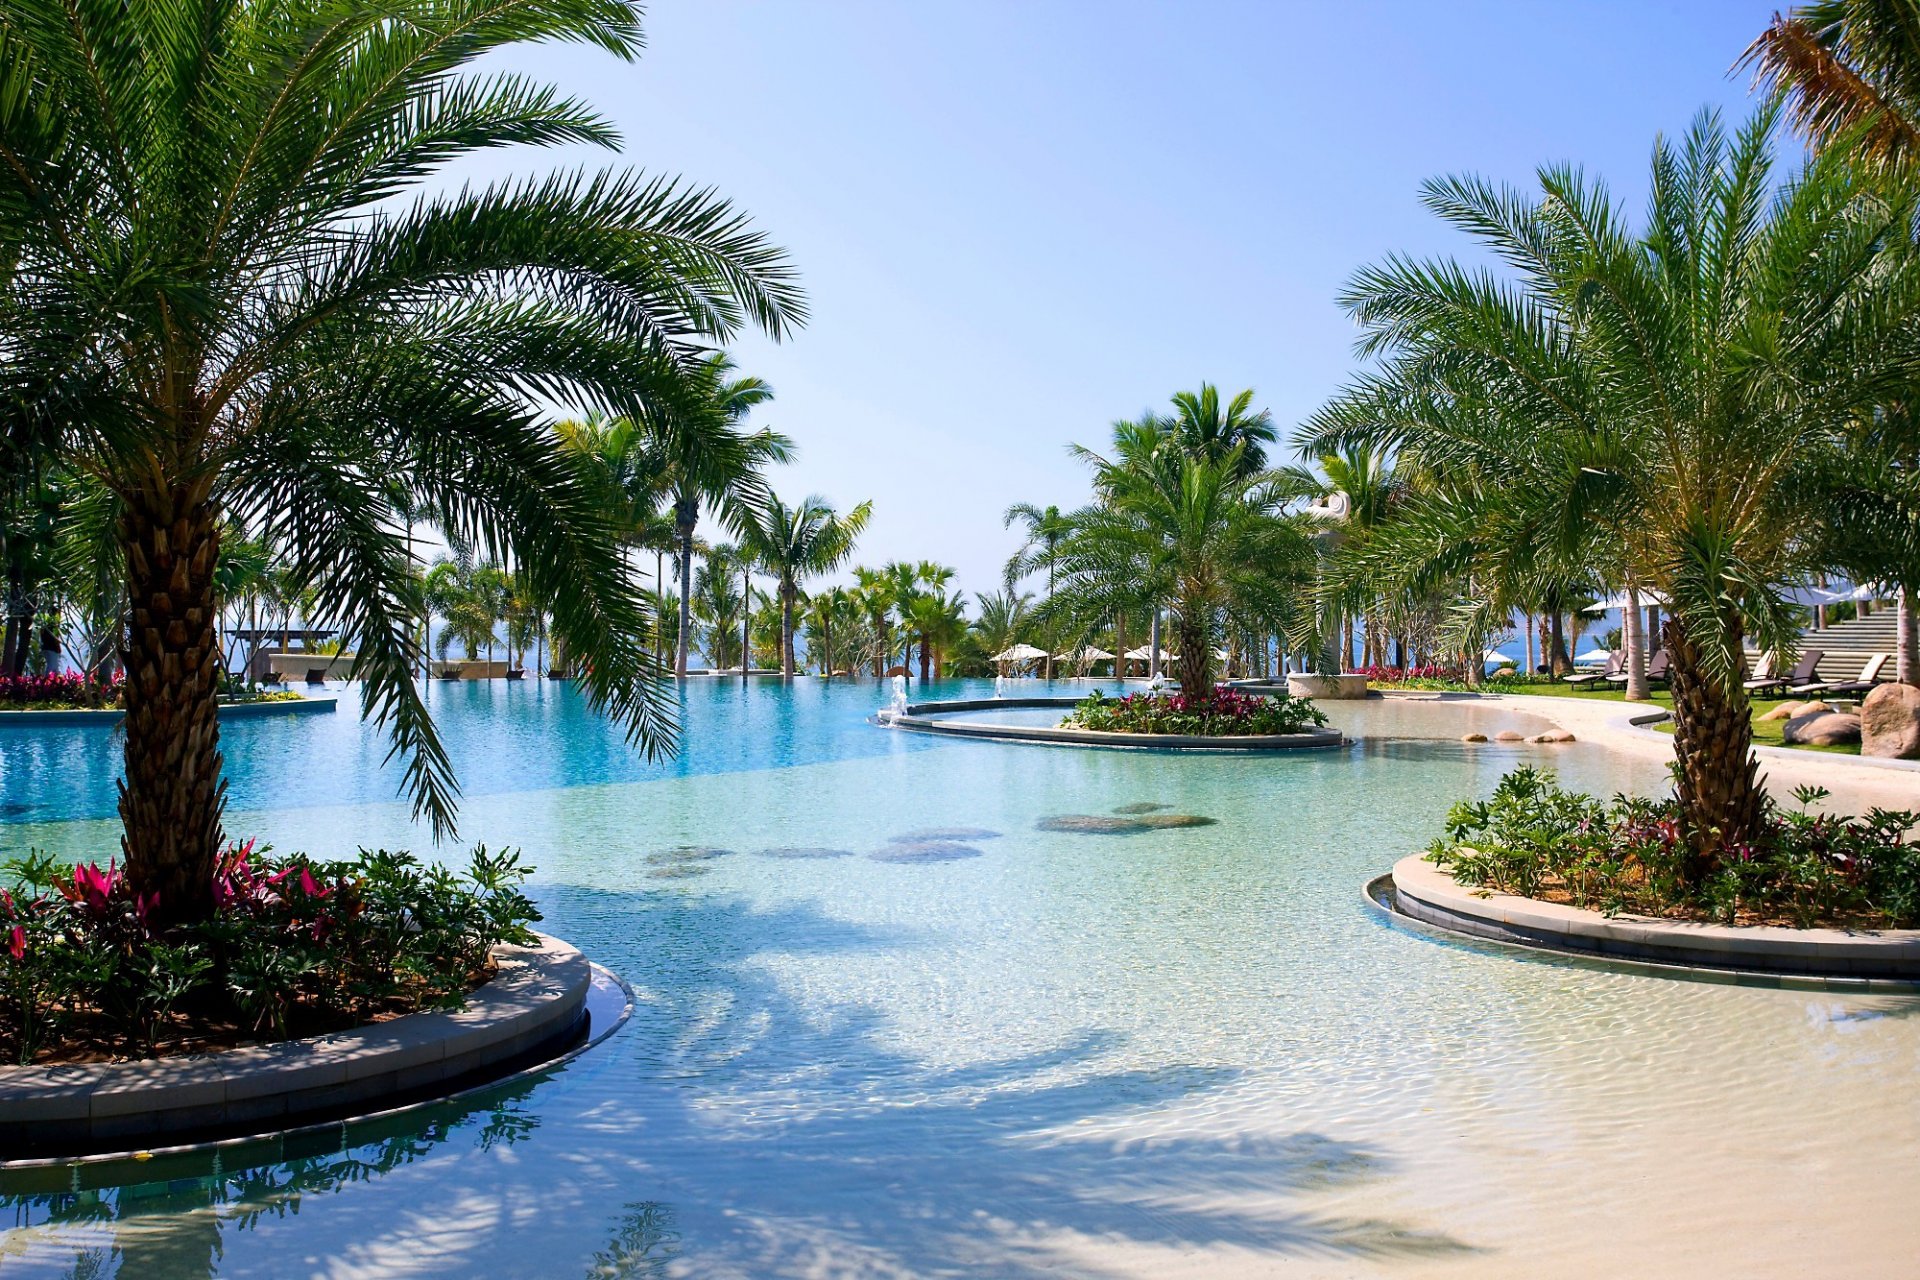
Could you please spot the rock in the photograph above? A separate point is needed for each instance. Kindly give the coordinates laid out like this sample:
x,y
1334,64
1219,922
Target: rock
x,y
924,851
804,851
1508,735
1552,735
1822,729
1095,824
1473,737
1143,806
1785,711
1890,723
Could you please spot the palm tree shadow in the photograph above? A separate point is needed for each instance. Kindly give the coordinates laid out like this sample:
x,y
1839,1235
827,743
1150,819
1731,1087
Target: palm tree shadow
x,y
740,1132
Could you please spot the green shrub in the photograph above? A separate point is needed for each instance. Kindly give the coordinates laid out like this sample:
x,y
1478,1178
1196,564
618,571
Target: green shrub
x,y
1534,839
1223,712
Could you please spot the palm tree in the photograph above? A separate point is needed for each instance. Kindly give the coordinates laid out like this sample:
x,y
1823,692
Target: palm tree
x,y
1040,547
707,457
796,543
833,614
940,621
1851,72
226,297
914,586
874,590
1202,426
718,603
1670,385
1002,620
1204,532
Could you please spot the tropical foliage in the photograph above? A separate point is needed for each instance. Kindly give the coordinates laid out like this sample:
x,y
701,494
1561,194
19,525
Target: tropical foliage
x,y
1217,712
1802,868
226,299
292,947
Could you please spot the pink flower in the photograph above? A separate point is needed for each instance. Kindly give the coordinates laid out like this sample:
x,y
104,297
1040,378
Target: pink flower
x,y
17,943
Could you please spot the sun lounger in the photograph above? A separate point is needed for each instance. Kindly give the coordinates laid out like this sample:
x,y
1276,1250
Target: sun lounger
x,y
1803,673
1658,668
1868,677
1613,674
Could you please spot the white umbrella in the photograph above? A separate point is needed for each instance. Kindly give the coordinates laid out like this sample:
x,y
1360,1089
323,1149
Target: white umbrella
x,y
1494,655
1019,653
1091,653
1620,602
1145,654
1594,657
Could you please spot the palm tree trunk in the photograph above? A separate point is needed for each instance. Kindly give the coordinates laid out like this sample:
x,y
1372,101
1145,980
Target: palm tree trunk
x,y
1053,629
1906,640
926,657
1153,647
1120,645
1636,642
1717,778
1531,668
685,516
171,801
1196,652
787,592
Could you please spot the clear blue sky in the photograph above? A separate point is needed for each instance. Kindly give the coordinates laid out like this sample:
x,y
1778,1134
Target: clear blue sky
x,y
1019,221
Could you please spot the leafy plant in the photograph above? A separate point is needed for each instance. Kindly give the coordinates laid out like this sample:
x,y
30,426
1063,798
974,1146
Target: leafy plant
x,y
1221,712
1534,839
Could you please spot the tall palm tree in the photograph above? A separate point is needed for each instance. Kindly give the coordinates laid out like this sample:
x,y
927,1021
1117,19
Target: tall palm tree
x,y
720,604
1002,619
1203,532
708,457
1042,530
874,591
1203,426
227,296
796,543
1671,384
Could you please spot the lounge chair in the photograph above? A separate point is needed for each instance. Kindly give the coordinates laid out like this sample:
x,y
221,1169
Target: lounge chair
x,y
1862,684
1615,673
1659,668
516,673
316,675
1803,673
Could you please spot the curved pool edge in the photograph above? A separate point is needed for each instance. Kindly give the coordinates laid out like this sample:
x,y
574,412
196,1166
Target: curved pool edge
x,y
112,716
532,1015
915,720
1685,950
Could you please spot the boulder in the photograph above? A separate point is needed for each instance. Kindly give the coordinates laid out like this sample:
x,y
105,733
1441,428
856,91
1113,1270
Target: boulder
x,y
1890,723
1822,729
1552,735
1473,737
1785,711
1508,735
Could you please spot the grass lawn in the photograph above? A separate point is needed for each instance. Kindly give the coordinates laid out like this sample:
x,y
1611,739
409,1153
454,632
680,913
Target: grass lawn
x,y
1766,733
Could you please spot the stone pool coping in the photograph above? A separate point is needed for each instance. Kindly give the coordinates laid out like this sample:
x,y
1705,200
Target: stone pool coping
x,y
1425,893
114,715
914,720
532,1006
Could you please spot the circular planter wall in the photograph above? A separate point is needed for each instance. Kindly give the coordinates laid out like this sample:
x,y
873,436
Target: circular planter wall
x,y
917,719
1424,892
113,715
1341,688
533,1006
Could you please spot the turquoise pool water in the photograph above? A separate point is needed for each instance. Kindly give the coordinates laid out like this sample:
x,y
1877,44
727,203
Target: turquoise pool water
x,y
887,1026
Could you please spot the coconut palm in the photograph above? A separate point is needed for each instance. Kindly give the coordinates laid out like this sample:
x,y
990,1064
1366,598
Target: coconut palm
x,y
1042,530
1851,72
1668,384
1002,619
940,620
796,543
226,296
874,592
719,604
708,457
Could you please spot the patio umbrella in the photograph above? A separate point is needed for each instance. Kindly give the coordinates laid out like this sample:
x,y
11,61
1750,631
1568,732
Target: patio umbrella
x,y
1495,657
1092,653
1620,602
1019,653
1593,657
1145,654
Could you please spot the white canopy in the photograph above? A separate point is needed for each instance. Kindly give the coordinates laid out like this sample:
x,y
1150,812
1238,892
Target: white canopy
x,y
1145,654
1019,653
1594,656
1494,655
1092,653
1647,597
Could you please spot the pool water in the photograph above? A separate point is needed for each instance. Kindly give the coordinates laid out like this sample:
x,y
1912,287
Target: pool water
x,y
886,1026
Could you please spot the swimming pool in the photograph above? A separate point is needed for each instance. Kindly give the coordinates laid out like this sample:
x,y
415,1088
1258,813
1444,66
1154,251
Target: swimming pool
x,y
886,1026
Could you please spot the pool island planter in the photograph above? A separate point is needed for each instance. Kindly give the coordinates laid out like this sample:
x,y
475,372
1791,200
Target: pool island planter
x,y
1425,893
915,719
534,1007
110,716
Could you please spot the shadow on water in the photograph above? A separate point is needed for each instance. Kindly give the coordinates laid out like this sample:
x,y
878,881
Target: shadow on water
x,y
734,1130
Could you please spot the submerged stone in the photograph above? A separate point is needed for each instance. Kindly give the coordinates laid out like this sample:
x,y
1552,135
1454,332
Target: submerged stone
x,y
1097,824
687,853
945,833
803,851
924,851
1144,806
679,871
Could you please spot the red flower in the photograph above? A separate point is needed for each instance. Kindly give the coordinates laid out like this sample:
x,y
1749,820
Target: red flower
x,y
17,943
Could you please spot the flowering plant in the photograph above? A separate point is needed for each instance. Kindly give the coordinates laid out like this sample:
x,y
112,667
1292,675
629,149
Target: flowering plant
x,y
65,691
1537,840
1218,712
294,946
